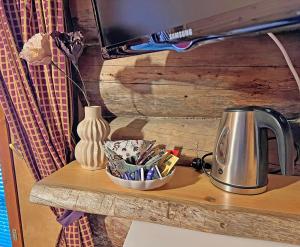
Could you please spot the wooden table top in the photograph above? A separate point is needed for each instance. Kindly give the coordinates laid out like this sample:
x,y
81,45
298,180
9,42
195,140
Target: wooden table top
x,y
188,194
187,186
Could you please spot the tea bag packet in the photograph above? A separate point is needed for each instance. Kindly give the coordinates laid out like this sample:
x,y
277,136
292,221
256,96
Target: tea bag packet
x,y
154,160
111,155
123,157
167,164
138,175
112,170
122,167
128,148
138,160
145,153
153,173
131,160
146,157
116,167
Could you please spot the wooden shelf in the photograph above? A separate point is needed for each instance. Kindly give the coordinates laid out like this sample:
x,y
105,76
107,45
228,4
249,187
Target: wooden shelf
x,y
188,201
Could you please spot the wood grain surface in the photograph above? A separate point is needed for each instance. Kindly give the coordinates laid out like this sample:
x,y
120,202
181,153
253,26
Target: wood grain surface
x,y
193,137
148,85
109,231
156,96
188,201
200,83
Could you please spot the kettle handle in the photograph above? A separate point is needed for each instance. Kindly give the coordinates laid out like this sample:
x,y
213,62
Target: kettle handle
x,y
269,118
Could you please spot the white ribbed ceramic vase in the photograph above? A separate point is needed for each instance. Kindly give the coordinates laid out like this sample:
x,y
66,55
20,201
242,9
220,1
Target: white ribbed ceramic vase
x,y
93,130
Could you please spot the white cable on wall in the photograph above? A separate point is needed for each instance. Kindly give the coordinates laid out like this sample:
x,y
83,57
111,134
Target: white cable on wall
x,y
286,57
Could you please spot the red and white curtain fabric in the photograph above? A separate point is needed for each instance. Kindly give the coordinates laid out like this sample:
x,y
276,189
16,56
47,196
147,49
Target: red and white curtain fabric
x,y
36,99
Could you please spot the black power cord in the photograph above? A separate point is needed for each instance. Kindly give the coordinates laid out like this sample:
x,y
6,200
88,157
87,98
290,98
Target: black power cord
x,y
200,165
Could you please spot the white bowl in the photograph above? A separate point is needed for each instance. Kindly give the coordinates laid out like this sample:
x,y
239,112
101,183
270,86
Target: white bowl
x,y
141,185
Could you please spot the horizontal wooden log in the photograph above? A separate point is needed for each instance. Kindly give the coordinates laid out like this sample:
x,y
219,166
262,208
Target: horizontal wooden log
x,y
189,201
193,136
192,91
254,72
207,79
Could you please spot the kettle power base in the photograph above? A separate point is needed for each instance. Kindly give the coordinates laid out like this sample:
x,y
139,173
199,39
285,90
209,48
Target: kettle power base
x,y
238,190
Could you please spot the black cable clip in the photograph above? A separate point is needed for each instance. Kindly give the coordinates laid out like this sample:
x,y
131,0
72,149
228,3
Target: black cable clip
x,y
199,164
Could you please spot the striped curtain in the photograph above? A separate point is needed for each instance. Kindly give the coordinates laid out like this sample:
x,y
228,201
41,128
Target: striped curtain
x,y
36,99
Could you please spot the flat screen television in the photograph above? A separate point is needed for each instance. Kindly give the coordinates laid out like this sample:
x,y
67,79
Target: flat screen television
x,y
132,27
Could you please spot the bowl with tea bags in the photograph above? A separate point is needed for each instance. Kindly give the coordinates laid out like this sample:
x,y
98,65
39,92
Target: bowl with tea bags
x,y
139,164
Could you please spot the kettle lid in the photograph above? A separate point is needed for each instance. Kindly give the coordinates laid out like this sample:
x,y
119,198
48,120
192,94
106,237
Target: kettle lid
x,y
244,109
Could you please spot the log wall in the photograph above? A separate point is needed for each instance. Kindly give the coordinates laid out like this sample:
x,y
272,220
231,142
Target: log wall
x,y
200,83
181,88
174,90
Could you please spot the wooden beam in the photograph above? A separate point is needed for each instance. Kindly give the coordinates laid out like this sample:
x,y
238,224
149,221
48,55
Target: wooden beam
x,y
188,201
200,83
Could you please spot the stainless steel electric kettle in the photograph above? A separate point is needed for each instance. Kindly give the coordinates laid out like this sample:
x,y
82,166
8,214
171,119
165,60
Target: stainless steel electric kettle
x,y
240,157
